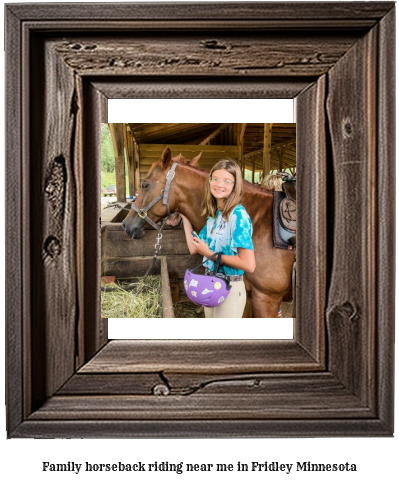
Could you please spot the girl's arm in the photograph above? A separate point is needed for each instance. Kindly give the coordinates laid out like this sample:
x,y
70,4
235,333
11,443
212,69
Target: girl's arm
x,y
188,228
245,260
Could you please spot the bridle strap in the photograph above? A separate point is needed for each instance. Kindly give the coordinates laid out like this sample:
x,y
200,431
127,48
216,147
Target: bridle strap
x,y
142,212
169,177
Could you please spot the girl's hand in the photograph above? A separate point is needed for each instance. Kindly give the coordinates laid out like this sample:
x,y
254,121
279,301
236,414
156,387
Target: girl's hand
x,y
201,247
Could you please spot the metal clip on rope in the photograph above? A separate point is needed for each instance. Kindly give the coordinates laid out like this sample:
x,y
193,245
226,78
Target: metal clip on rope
x,y
157,247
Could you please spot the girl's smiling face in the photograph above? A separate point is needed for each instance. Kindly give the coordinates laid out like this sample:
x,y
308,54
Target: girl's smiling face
x,y
221,184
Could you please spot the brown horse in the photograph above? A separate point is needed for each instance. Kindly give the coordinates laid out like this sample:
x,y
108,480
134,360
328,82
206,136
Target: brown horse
x,y
271,281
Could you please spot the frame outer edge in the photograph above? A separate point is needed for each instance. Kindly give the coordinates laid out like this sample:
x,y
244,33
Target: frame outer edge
x,y
18,266
301,12
14,261
385,278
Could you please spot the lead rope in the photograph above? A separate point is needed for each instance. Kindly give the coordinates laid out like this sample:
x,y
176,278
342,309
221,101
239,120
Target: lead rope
x,y
157,247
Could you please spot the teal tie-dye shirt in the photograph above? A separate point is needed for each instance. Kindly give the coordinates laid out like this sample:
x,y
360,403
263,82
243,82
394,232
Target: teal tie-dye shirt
x,y
228,236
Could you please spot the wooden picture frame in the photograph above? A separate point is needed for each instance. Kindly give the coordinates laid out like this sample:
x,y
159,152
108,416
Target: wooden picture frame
x,y
335,378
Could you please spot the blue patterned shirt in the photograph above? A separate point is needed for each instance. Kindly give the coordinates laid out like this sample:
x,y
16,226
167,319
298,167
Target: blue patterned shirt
x,y
228,236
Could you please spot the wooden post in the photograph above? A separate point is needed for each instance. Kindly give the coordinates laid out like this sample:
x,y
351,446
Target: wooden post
x,y
130,162
240,142
281,152
136,156
167,303
116,130
267,145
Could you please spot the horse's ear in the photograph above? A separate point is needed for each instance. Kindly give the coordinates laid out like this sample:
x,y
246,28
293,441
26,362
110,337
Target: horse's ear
x,y
181,159
166,157
194,161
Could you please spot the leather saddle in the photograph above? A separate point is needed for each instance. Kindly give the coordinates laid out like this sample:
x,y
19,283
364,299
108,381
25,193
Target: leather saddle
x,y
284,214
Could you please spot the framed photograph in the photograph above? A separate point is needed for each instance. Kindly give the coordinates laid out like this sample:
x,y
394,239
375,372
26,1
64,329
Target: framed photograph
x,y
132,164
65,379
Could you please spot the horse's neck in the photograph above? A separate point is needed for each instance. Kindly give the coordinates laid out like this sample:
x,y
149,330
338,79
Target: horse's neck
x,y
191,193
258,204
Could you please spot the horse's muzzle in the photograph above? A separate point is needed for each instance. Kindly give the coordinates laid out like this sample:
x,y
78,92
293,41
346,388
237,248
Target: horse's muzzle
x,y
133,231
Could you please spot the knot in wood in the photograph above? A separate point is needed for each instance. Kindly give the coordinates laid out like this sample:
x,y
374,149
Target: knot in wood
x,y
347,128
50,188
161,390
52,246
213,44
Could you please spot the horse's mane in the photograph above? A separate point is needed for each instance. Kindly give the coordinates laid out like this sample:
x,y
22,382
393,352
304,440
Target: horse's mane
x,y
195,168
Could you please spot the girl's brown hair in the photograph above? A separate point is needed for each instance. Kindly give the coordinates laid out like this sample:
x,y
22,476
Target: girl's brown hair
x,y
234,199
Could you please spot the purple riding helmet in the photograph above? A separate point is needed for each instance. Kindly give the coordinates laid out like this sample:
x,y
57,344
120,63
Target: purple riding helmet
x,y
207,290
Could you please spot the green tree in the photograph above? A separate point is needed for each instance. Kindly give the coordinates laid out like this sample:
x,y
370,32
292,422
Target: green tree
x,y
107,150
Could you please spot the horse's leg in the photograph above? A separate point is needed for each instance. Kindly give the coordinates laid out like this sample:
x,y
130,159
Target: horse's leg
x,y
265,306
248,313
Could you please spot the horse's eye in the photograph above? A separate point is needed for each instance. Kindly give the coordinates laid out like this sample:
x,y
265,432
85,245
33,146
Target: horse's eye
x,y
145,185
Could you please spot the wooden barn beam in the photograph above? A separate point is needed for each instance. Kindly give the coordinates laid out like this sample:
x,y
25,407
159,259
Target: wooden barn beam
x,y
267,144
220,129
240,143
116,130
136,158
280,153
130,162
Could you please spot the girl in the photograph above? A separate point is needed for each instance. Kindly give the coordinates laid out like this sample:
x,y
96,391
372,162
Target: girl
x,y
228,230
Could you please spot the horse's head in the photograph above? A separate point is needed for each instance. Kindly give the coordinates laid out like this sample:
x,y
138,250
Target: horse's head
x,y
154,202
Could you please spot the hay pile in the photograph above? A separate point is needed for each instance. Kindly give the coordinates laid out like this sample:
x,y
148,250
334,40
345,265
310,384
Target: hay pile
x,y
143,299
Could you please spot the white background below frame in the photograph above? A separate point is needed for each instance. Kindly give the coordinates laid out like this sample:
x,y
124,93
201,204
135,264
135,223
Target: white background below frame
x,y
201,111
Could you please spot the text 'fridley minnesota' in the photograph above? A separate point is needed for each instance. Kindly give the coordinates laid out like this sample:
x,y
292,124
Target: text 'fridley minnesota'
x,y
181,467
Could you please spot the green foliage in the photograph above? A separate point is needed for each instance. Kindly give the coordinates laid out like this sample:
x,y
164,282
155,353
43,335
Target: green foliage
x,y
107,178
107,151
108,160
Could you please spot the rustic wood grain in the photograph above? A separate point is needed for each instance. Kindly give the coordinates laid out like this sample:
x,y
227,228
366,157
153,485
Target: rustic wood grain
x,y
385,224
16,235
219,55
312,218
52,210
192,428
96,329
200,356
153,87
54,312
359,14
352,122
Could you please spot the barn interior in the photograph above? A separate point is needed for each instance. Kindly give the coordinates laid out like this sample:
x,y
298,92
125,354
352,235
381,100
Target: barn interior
x,y
259,148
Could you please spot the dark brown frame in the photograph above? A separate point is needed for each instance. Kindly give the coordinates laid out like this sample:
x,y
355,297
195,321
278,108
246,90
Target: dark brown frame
x,y
336,376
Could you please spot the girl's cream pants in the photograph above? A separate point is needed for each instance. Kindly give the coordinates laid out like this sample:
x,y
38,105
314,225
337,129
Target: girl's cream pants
x,y
233,306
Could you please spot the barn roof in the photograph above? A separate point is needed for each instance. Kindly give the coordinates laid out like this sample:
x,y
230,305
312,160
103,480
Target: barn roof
x,y
283,138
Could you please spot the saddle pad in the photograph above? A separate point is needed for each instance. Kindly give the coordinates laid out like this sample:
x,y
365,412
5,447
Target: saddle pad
x,y
278,242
